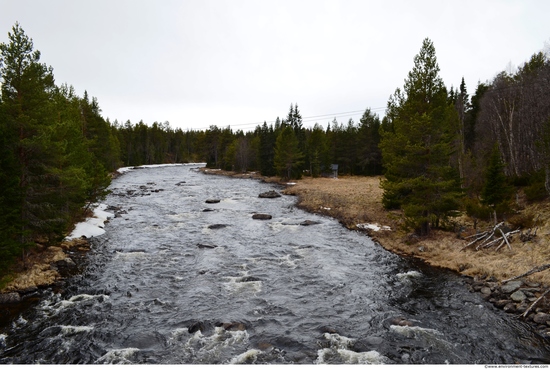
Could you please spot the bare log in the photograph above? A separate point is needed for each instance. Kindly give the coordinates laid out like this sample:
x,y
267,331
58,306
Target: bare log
x,y
524,315
475,235
485,240
532,271
500,245
481,236
505,239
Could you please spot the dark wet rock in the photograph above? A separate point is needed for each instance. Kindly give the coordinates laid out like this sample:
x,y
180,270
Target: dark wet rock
x,y
233,326
541,318
309,222
401,322
249,279
65,267
511,286
207,210
510,308
196,326
10,298
212,201
217,226
119,213
262,216
518,296
205,246
180,183
269,195
520,308
326,329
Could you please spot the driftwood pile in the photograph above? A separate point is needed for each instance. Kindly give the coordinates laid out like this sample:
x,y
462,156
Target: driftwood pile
x,y
492,237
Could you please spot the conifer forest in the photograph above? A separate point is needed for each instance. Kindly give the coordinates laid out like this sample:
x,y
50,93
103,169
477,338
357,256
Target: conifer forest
x,y
441,150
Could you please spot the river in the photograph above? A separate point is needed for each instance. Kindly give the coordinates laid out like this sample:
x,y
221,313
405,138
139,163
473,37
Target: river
x,y
164,286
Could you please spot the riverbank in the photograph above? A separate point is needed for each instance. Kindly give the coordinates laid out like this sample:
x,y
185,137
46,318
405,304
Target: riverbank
x,y
357,203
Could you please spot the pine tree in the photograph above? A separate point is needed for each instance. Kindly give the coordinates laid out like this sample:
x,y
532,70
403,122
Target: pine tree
x,y
267,150
26,90
496,190
317,151
369,138
416,151
288,158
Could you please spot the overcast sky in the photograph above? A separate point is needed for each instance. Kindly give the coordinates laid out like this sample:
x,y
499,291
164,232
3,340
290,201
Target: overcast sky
x,y
196,63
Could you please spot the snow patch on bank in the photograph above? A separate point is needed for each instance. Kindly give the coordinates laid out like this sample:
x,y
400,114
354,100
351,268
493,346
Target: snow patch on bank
x,y
127,169
373,226
92,226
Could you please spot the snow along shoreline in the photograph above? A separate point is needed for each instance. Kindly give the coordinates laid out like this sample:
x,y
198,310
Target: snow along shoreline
x,y
94,225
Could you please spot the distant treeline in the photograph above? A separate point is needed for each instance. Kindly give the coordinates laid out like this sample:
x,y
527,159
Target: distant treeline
x,y
309,151
57,150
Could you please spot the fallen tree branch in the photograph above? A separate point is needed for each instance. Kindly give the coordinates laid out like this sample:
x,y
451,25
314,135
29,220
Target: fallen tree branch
x,y
524,315
485,240
532,271
481,236
505,239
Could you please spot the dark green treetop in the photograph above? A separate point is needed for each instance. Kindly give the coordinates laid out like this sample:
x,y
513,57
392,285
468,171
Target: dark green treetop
x,y
417,146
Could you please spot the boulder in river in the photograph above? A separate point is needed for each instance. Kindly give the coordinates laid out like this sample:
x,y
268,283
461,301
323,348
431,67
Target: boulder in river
x,y
401,322
269,195
206,246
309,222
233,326
261,216
217,226
212,201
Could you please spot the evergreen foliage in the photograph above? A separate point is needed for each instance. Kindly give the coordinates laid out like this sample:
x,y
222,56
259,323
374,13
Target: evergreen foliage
x,y
288,158
417,151
56,149
49,165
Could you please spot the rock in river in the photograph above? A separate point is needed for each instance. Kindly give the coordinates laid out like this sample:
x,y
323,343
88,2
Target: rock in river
x,y
217,226
212,201
269,195
309,222
261,216
205,246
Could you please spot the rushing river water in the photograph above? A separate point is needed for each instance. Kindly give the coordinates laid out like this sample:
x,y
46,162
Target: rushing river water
x,y
162,286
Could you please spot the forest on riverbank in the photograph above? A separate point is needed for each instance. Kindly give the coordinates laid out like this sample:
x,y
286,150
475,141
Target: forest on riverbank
x,y
441,150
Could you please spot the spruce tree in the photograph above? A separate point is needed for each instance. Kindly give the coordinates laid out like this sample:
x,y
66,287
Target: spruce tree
x,y
288,158
416,150
496,190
